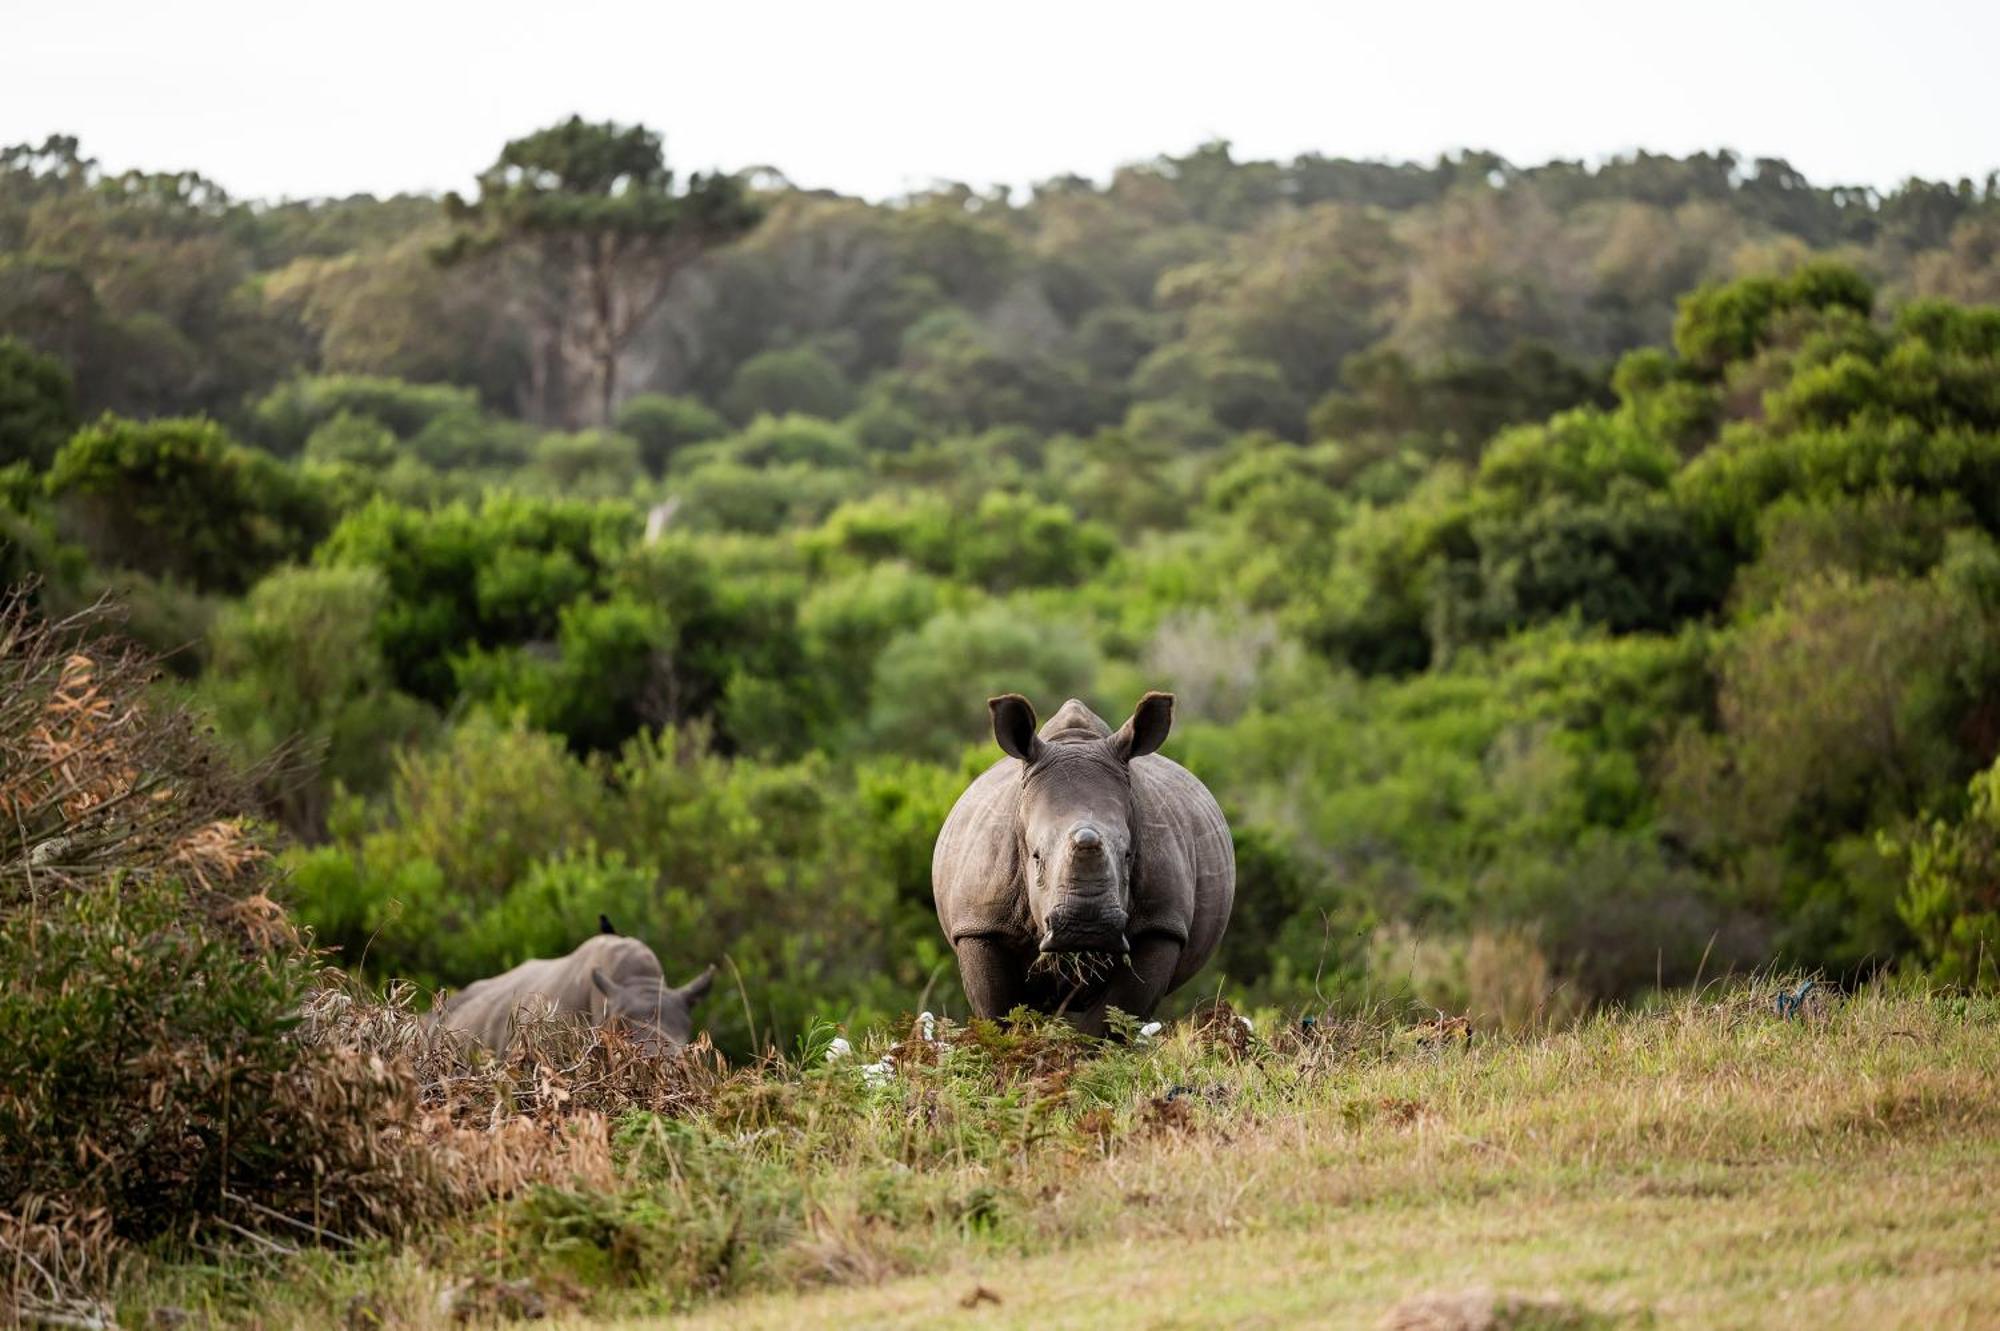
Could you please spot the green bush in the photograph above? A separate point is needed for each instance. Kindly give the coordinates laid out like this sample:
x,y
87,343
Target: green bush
x,y
37,405
777,383
463,577
150,991
146,1058
588,464
296,663
498,846
1951,899
931,683
287,416
180,498
360,441
663,425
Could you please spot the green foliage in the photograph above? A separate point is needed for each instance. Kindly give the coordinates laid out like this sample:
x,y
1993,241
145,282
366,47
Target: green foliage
x,y
778,383
296,663
931,683
663,425
1454,407
1718,325
790,440
608,678
284,419
181,498
461,577
1007,541
37,405
591,464
359,441
499,846
1950,901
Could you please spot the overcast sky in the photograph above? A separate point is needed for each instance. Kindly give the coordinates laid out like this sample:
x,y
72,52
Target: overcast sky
x,y
878,98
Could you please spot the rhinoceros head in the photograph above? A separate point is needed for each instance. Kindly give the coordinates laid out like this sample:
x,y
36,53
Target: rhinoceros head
x,y
1076,832
659,1017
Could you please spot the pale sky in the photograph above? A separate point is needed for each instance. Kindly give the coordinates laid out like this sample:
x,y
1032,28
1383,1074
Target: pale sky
x,y
877,97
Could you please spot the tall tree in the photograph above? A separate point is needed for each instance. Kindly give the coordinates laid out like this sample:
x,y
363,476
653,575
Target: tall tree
x,y
595,216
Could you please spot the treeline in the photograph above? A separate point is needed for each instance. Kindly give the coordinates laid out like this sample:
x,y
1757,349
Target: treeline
x,y
1536,658
1226,293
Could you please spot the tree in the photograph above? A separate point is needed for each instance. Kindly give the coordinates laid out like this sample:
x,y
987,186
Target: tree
x,y
180,498
663,424
296,662
37,405
798,379
594,214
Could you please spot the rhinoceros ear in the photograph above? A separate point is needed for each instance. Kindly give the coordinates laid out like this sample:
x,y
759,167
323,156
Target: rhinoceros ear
x,y
1014,726
600,981
1146,729
697,989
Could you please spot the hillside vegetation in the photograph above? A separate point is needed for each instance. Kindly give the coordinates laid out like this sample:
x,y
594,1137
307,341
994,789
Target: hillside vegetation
x,y
1541,636
1580,584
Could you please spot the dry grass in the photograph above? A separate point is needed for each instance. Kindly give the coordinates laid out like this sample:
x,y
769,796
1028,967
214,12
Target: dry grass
x,y
96,784
488,1127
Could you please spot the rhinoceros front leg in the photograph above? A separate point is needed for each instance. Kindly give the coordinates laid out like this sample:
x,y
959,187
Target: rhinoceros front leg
x,y
1139,989
995,981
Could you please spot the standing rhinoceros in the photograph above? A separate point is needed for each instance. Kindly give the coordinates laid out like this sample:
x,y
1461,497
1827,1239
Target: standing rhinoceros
x,y
1083,871
608,979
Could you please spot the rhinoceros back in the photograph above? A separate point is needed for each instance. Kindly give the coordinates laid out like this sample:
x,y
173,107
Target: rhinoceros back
x,y
485,1008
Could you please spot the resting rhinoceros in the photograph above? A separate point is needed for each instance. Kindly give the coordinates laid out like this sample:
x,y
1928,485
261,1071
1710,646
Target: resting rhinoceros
x,y
1082,871
608,979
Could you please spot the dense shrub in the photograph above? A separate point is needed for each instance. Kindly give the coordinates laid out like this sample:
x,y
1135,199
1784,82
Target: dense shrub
x,y
664,425
296,670
779,382
931,683
286,417
461,577
500,846
1951,901
150,989
180,498
37,405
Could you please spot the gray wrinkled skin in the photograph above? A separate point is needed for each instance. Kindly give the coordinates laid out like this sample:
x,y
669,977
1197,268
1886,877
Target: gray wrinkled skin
x,y
1082,871
609,979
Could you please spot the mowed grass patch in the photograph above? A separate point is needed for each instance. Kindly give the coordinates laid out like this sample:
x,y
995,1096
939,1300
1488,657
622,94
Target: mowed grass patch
x,y
1704,1163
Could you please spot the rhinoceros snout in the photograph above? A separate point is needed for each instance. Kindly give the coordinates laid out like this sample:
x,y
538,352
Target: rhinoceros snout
x,y
1098,931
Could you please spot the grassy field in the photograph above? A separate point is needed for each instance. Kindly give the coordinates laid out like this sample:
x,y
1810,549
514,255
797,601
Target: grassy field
x,y
1707,1163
